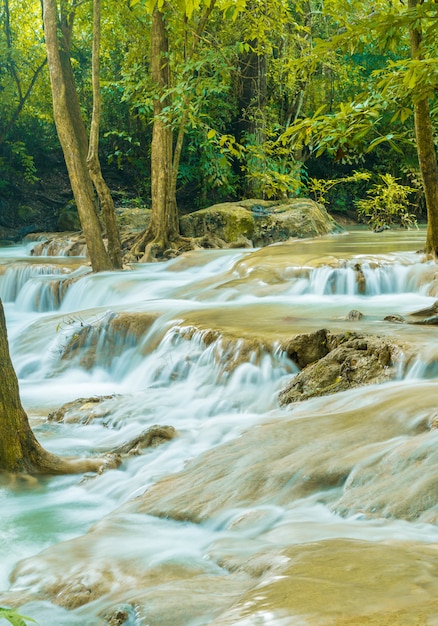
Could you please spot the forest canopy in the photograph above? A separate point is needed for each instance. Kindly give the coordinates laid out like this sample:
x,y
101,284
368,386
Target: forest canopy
x,y
231,98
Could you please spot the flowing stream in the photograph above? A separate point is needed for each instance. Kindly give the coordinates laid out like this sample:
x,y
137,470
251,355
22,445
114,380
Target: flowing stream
x,y
323,512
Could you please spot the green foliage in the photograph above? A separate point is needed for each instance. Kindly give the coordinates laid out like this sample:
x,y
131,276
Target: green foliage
x,y
269,168
388,204
15,161
347,134
14,618
320,187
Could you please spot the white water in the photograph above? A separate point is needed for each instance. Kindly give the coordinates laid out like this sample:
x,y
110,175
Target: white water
x,y
165,378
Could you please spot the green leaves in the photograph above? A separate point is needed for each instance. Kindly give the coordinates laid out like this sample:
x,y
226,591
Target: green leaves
x,y
14,618
230,8
387,203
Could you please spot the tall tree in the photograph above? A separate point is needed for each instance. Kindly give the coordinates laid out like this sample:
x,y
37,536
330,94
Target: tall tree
x,y
425,142
163,230
71,129
93,162
20,452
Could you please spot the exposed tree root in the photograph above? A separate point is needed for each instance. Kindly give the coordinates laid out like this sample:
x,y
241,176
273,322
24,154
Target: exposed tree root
x,y
145,250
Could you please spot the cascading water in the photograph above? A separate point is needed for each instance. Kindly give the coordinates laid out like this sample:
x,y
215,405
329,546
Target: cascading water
x,y
216,524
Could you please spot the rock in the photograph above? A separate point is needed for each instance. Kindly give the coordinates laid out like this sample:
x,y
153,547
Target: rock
x,y
429,316
360,279
353,360
118,618
227,221
428,321
58,244
428,312
68,219
307,348
395,319
150,438
119,331
376,456
353,316
259,222
82,410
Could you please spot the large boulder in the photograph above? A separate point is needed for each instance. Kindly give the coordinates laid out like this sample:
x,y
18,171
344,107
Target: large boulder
x,y
259,222
346,360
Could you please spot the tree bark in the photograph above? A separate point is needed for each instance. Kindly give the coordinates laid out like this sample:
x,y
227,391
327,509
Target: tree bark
x,y
164,226
20,452
71,132
103,192
426,149
251,125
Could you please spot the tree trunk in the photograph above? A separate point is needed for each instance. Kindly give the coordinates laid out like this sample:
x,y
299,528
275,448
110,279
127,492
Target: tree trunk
x,y
72,134
426,149
164,226
252,107
103,192
20,452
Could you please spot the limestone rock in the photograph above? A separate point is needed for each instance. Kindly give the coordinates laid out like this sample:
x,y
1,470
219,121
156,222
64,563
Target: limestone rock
x,y
260,222
82,410
351,360
307,348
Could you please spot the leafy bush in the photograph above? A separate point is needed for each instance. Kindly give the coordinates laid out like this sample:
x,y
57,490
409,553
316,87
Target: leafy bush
x,y
321,187
388,204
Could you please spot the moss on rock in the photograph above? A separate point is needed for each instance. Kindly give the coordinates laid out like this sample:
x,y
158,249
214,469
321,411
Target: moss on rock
x,y
259,222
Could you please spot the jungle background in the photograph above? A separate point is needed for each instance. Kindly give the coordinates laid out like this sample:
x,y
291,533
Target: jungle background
x,y
269,99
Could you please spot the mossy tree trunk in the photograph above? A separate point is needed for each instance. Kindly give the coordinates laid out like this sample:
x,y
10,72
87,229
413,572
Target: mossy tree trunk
x,y
163,228
20,452
426,148
93,162
71,129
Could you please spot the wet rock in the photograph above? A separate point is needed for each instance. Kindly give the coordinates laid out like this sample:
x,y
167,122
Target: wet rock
x,y
58,244
351,360
118,618
379,458
258,222
427,312
307,348
101,340
427,316
353,316
82,410
395,319
428,321
151,438
110,565
360,279
344,582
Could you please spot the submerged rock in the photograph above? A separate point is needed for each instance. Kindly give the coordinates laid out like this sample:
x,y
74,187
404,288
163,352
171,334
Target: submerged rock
x,y
344,582
379,458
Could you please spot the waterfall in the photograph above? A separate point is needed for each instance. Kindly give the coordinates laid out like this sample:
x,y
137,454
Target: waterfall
x,y
248,500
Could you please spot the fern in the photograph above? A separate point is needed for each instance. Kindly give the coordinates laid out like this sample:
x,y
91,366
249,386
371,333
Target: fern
x,y
14,618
